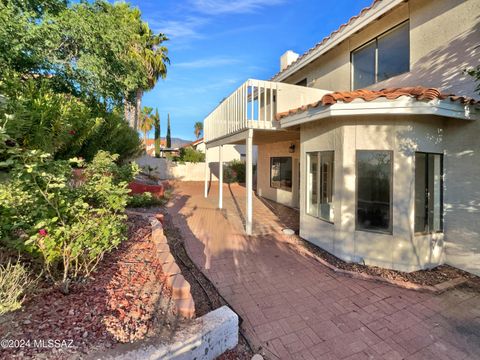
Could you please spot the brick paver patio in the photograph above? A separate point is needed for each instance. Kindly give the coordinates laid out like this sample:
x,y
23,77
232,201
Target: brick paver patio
x,y
295,308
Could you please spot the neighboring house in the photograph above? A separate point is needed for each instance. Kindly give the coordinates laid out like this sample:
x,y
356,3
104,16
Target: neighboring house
x,y
150,146
229,152
382,177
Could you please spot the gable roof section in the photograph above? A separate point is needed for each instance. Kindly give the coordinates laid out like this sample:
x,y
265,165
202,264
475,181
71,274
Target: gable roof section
x,y
354,24
418,93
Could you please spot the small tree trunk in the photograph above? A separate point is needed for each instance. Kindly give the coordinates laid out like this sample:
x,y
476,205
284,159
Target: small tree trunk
x,y
138,107
129,112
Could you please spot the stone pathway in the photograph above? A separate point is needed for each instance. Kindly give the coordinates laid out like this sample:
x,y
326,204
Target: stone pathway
x,y
295,308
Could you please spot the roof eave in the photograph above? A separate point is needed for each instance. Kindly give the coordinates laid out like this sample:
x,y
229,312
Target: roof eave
x,y
408,106
359,23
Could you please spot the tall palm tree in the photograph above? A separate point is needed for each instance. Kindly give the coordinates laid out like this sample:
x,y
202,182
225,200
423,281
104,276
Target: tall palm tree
x,y
198,129
154,56
146,122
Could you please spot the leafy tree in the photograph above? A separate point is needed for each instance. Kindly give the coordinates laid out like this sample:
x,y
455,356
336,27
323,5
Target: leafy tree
x,y
146,122
156,125
475,73
198,129
169,136
189,154
154,56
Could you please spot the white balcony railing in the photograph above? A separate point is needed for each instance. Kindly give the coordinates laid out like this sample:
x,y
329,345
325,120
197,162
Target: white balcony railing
x,y
254,105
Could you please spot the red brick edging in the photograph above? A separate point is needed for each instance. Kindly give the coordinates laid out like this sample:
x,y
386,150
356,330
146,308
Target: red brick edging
x,y
181,294
446,285
180,287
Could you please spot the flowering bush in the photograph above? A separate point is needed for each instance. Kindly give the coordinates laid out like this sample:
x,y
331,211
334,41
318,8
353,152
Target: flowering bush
x,y
67,224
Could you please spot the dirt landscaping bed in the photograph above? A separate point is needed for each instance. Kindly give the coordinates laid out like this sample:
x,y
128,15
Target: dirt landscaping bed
x,y
124,301
428,278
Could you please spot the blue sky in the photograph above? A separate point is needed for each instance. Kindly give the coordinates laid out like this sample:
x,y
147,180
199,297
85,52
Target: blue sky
x,y
215,45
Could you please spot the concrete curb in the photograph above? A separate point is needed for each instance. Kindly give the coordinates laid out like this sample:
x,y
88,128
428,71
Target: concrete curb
x,y
439,288
205,339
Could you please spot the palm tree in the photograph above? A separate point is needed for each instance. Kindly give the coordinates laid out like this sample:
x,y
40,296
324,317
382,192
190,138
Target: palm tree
x,y
154,56
146,122
198,129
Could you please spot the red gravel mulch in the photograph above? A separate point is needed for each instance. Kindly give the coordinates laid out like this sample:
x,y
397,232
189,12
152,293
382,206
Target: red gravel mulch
x,y
124,301
430,277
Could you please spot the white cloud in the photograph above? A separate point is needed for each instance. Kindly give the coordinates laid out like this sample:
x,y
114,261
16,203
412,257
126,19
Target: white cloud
x,y
176,29
208,63
215,7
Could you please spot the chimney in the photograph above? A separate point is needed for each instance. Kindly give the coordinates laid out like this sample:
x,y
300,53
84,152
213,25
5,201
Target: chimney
x,y
287,58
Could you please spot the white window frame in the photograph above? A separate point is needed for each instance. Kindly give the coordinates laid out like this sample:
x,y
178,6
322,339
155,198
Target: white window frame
x,y
319,184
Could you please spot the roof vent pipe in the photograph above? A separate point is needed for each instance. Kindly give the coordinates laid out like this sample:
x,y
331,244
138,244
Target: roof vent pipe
x,y
287,59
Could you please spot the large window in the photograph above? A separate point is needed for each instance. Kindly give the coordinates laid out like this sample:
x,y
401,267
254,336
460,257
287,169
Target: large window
x,y
320,184
374,191
428,192
385,56
281,173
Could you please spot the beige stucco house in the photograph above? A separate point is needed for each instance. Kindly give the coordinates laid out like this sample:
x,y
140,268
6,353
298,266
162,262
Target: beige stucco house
x,y
373,134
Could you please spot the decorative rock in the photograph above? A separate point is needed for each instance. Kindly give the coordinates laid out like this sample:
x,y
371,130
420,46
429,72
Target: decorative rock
x,y
257,357
288,232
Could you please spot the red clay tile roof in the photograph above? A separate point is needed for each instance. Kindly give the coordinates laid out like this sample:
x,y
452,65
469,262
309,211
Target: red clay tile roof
x,y
332,34
418,93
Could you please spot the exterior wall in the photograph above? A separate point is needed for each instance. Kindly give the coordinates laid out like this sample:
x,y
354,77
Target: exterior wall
x,y
402,250
229,153
440,49
278,149
166,169
462,195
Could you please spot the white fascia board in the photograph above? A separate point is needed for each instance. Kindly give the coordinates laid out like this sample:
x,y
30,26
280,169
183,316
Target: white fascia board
x,y
358,24
228,139
400,106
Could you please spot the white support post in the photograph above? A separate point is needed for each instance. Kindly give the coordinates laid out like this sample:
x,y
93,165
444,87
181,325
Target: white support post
x,y
249,184
220,177
207,173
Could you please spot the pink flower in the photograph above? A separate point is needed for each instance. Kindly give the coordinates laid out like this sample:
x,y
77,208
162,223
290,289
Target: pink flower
x,y
43,232
72,132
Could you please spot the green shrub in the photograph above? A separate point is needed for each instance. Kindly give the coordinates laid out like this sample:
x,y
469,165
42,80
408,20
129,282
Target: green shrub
x,y
15,281
37,116
144,200
235,171
238,168
69,226
191,155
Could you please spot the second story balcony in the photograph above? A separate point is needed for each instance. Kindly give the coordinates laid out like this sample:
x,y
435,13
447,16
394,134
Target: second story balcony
x,y
254,105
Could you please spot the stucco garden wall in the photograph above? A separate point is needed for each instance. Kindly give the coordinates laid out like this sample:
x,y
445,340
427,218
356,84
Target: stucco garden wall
x,y
278,149
402,250
166,169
